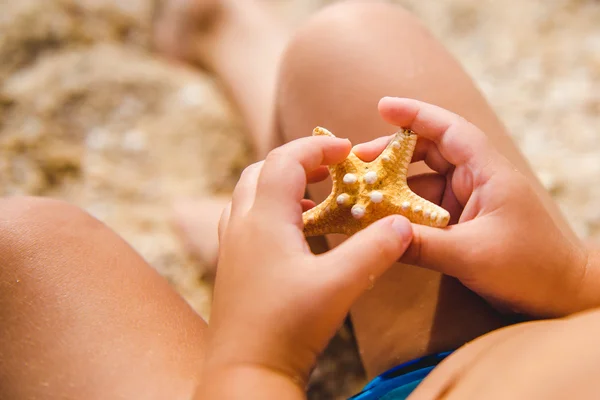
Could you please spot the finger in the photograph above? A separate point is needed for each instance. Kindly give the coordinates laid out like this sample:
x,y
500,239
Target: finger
x,y
307,204
450,202
318,175
443,250
436,188
428,186
425,150
366,255
245,190
459,142
224,221
282,181
371,150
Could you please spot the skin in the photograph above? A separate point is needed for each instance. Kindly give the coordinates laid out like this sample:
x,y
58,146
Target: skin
x,y
274,358
295,278
83,316
336,80
207,33
79,307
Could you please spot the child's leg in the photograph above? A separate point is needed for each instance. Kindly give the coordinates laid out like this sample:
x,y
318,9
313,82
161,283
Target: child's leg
x,y
83,316
550,359
241,42
333,74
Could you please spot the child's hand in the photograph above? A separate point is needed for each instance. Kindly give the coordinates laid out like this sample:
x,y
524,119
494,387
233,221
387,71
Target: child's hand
x,y
505,246
276,304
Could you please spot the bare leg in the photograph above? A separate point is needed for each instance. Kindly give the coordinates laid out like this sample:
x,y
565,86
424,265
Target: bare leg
x,y
196,222
242,43
555,359
333,74
83,316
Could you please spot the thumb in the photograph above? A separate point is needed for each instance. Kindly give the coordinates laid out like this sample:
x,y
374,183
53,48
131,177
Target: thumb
x,y
370,252
443,250
224,221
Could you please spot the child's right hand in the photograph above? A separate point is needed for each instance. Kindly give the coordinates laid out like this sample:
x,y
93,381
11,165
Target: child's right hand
x,y
505,246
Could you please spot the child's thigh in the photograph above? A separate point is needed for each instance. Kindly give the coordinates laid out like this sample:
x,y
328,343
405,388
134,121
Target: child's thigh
x,y
553,359
83,315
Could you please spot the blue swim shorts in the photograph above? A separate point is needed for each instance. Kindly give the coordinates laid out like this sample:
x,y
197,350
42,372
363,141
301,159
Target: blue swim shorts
x,y
399,382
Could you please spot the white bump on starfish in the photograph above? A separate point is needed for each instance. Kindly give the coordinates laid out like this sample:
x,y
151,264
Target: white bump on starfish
x,y
371,177
342,199
376,197
310,218
385,157
350,178
426,213
417,209
433,216
396,144
405,205
358,211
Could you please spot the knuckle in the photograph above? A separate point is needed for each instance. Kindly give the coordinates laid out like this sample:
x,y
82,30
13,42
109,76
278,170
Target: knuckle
x,y
250,169
414,253
224,219
277,157
278,163
385,244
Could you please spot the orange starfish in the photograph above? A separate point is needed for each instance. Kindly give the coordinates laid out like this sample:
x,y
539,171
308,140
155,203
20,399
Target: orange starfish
x,y
364,192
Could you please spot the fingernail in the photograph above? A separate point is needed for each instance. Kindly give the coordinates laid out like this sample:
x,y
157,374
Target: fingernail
x,y
403,228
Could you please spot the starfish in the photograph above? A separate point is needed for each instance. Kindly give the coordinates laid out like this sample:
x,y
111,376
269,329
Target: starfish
x,y
364,192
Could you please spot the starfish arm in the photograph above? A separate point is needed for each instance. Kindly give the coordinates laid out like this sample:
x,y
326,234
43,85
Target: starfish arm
x,y
319,131
325,218
313,219
396,157
329,216
418,210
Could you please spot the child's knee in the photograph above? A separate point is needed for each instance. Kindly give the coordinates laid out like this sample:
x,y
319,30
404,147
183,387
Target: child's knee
x,y
346,30
352,19
342,56
34,229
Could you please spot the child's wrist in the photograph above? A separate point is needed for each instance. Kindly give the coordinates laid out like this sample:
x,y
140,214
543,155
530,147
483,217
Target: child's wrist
x,y
248,381
260,350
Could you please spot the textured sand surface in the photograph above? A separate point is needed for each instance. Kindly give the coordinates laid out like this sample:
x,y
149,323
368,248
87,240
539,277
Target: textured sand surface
x,y
89,114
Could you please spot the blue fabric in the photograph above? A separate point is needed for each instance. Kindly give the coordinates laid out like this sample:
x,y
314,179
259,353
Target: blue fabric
x,y
399,382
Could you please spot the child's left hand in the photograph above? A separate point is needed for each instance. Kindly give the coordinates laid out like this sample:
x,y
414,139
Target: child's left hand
x,y
276,304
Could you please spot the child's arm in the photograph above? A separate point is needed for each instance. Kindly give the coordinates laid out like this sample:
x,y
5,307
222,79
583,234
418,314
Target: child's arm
x,y
505,246
276,305
250,382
